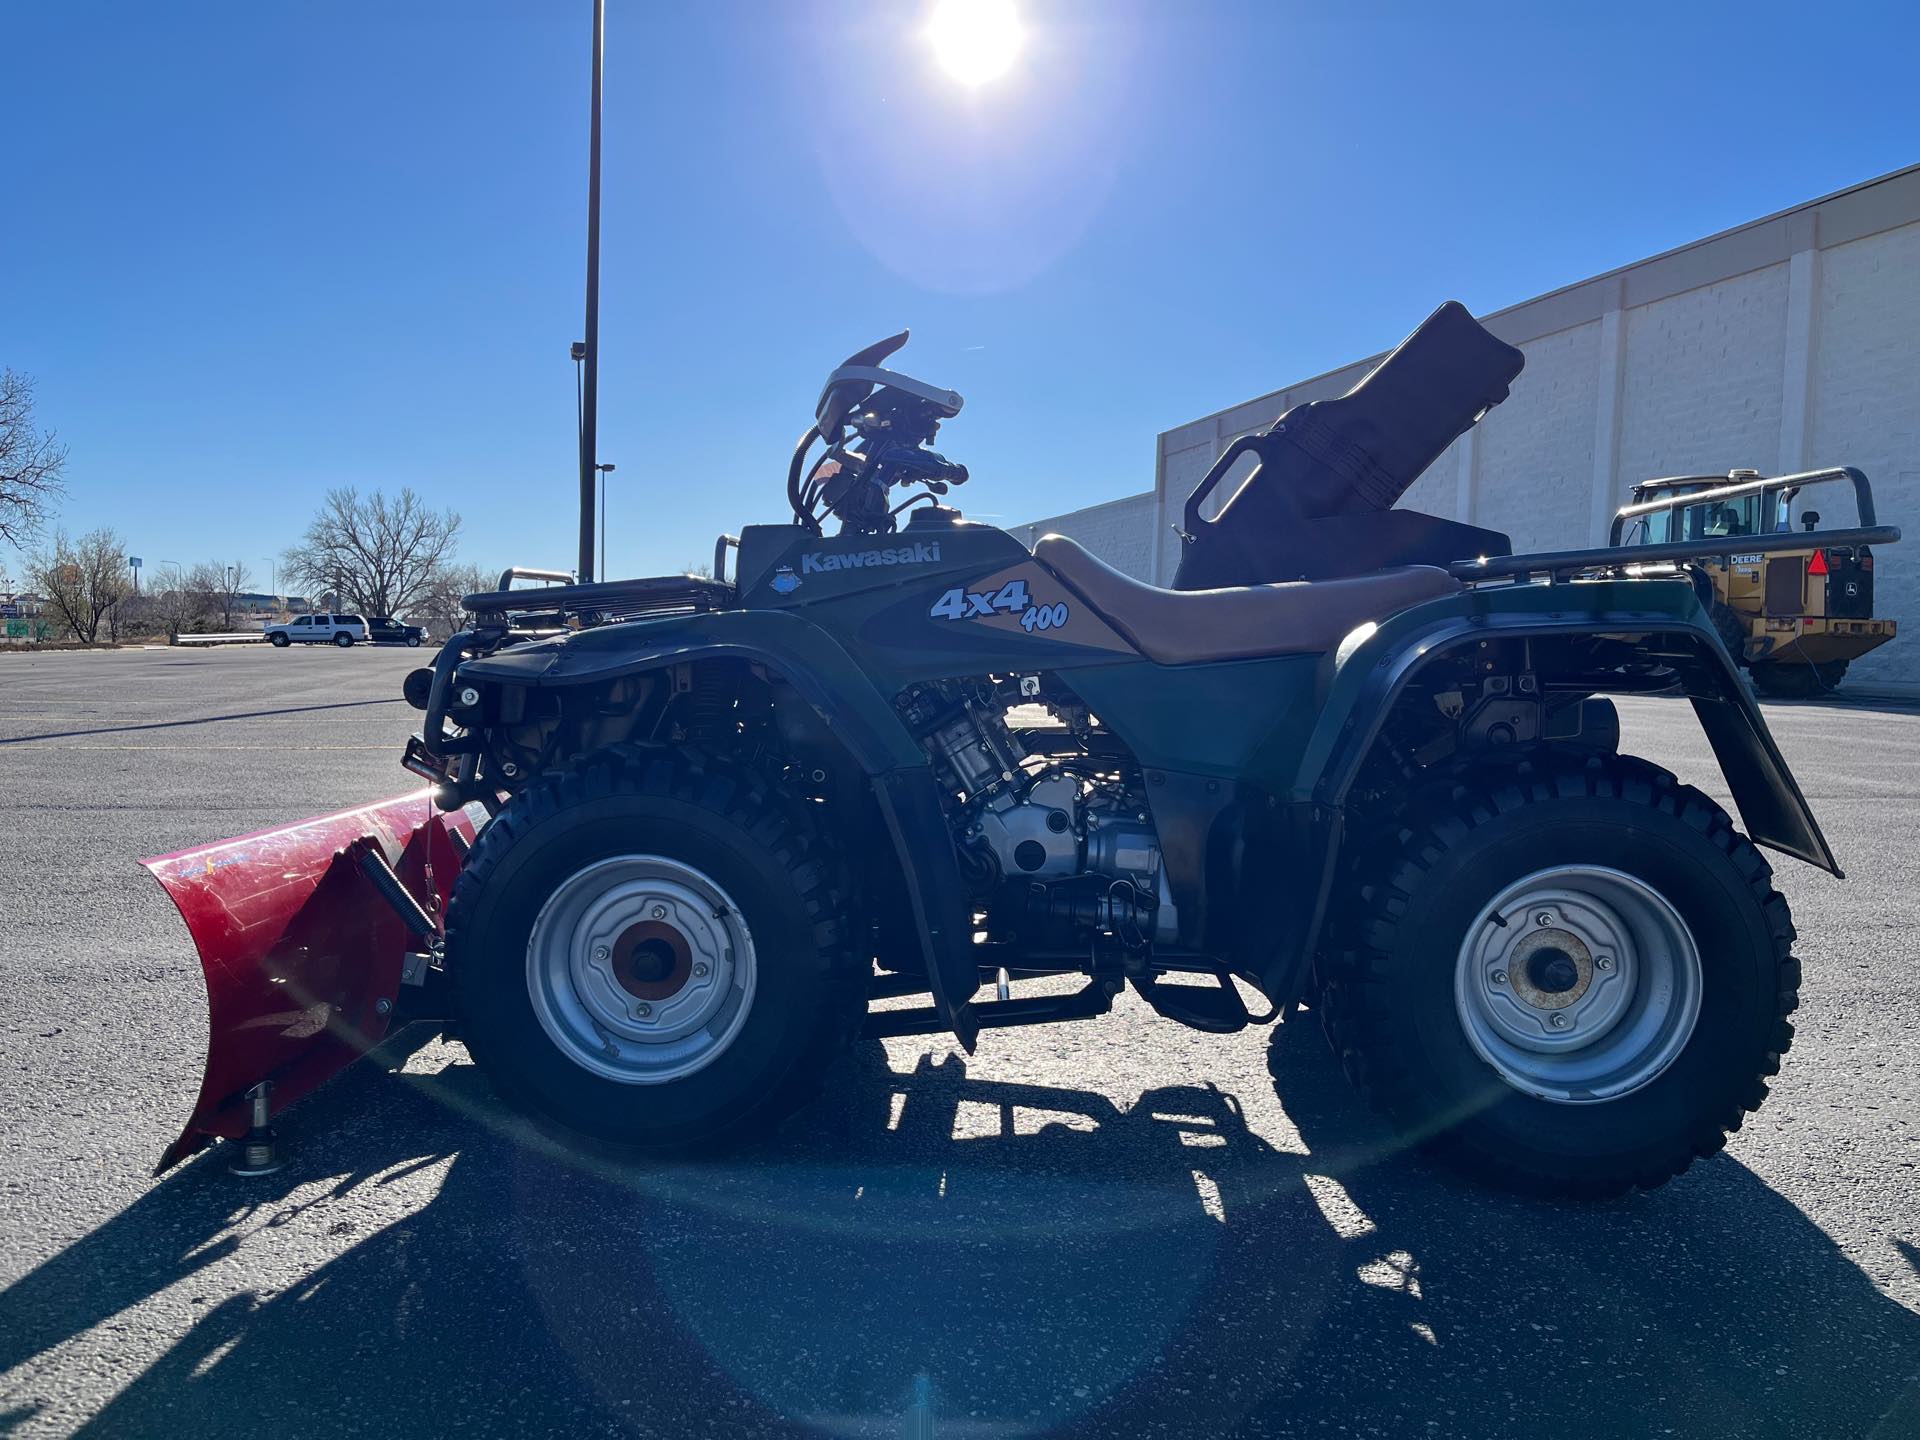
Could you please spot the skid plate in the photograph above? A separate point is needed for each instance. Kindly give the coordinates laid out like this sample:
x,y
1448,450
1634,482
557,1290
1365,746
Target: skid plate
x,y
302,954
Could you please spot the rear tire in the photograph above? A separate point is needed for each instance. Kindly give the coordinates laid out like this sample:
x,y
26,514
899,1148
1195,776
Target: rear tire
x,y
1406,995
687,858
413,642
343,640
1797,679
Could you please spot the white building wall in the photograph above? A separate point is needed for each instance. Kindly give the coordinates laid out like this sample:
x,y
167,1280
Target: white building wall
x,y
1789,343
1703,377
1865,411
1535,452
1120,532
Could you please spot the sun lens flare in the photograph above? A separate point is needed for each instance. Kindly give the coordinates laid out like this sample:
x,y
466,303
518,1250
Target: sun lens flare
x,y
975,40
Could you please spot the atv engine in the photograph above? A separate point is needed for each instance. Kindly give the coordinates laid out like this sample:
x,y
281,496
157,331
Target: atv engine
x,y
1055,845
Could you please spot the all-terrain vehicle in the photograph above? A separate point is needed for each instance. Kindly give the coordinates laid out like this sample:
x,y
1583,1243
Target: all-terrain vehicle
x,y
681,832
1795,618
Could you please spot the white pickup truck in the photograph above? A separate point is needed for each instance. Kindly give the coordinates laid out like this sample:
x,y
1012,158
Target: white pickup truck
x,y
341,630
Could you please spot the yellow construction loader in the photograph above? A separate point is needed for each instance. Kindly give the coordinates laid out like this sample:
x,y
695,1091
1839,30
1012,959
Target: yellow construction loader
x,y
1795,618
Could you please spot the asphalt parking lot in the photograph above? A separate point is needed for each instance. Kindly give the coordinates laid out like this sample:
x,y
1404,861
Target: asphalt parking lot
x,y
1120,1227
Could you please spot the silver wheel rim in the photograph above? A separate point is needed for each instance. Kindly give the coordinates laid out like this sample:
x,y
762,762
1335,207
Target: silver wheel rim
x,y
641,969
1578,984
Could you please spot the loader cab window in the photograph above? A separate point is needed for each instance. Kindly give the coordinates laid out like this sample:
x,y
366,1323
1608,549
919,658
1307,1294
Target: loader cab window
x,y
1780,510
1718,519
1653,528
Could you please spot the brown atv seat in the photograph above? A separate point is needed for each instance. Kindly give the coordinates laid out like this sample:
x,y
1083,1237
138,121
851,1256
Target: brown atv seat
x,y
1182,627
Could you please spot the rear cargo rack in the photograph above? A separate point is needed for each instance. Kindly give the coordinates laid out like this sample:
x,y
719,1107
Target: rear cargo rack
x,y
1567,564
608,599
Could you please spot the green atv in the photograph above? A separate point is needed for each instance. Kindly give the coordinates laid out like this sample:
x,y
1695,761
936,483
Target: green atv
x,y
1357,759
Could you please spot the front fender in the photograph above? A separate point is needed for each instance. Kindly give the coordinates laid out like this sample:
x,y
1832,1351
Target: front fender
x,y
813,662
1665,617
797,650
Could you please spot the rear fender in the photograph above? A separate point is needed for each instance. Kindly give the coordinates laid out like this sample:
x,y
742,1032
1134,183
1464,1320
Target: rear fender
x,y
301,953
853,710
1664,619
1372,678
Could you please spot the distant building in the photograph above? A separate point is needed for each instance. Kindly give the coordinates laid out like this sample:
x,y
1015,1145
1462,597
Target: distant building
x,y
253,603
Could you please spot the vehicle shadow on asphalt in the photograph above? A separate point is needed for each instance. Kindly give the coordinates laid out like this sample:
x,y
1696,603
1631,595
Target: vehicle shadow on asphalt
x,y
1050,1262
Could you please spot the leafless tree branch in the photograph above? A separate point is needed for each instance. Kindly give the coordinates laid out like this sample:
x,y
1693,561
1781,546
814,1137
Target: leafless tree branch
x,y
30,462
378,553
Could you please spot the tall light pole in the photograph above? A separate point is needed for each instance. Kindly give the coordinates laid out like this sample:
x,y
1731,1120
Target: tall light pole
x,y
605,470
590,379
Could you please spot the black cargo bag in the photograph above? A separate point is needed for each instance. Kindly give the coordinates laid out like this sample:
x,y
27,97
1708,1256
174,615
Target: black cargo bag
x,y
1328,470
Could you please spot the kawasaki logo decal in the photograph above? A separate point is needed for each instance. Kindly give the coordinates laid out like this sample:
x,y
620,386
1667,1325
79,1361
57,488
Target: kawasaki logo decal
x,y
921,553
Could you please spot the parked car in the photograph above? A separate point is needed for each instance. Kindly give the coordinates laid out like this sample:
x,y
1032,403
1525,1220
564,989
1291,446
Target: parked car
x,y
341,630
386,630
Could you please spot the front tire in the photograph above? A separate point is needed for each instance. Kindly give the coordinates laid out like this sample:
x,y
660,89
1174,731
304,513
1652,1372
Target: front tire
x,y
1573,978
280,642
651,953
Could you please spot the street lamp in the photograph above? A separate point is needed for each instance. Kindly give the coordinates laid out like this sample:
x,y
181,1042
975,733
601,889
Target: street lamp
x,y
605,470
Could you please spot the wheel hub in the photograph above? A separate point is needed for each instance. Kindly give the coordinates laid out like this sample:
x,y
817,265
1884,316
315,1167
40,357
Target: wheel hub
x,y
1578,984
652,960
1551,969
640,969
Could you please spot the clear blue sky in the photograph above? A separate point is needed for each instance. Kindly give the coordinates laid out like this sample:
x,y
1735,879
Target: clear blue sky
x,y
254,250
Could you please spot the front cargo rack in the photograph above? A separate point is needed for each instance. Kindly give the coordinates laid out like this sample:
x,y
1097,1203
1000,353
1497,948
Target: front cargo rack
x,y
603,601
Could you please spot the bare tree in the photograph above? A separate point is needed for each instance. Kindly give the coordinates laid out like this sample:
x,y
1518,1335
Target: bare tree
x,y
181,607
30,462
85,580
440,606
378,554
220,587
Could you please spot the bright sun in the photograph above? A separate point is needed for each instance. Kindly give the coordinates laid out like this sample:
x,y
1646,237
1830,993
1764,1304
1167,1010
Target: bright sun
x,y
976,40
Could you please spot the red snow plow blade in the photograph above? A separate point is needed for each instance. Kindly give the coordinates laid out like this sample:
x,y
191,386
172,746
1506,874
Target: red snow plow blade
x,y
302,952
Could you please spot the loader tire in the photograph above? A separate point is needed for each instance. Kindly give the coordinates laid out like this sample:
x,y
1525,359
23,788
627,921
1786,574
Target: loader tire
x,y
650,952
1797,679
1504,898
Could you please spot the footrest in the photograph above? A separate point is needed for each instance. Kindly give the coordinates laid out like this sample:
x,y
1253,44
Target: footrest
x,y
1216,1008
